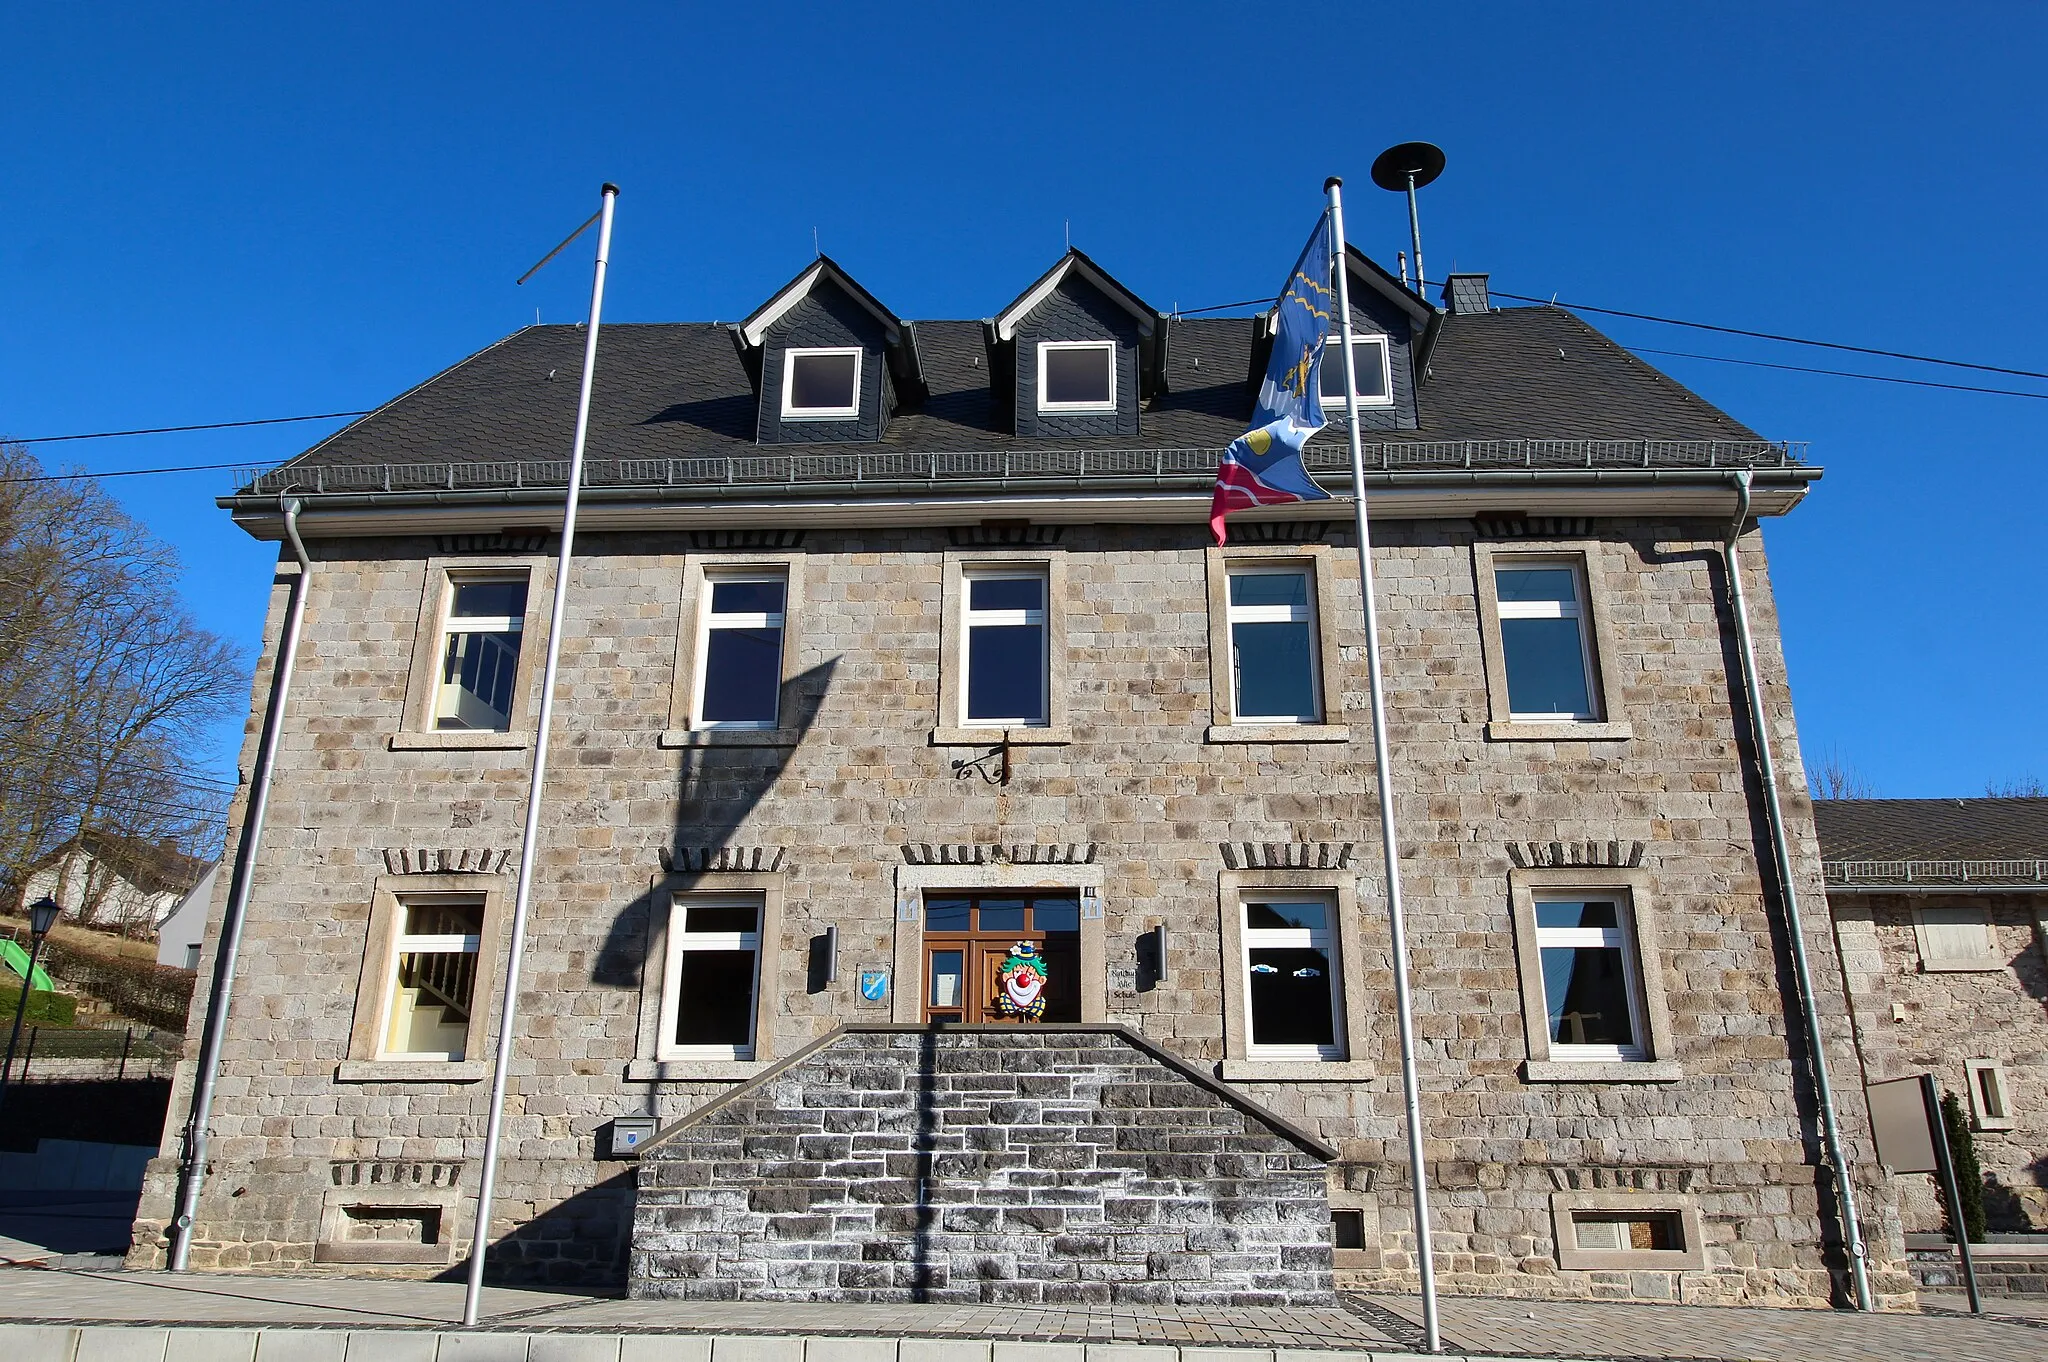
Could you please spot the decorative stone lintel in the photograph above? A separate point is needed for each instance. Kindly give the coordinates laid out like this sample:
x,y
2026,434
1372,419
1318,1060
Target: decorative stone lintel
x,y
995,853
446,860
1287,855
1557,855
698,860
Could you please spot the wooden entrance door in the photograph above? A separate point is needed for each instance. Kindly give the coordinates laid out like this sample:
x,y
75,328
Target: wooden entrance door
x,y
968,936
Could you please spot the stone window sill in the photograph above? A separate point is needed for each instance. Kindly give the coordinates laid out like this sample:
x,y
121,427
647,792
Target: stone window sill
x,y
411,1071
391,1255
730,737
1602,1071
1278,733
1295,1070
1992,1122
1972,964
1056,736
687,1070
468,740
1521,730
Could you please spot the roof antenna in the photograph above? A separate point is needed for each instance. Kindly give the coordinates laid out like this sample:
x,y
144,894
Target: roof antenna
x,y
816,249
1409,167
1068,223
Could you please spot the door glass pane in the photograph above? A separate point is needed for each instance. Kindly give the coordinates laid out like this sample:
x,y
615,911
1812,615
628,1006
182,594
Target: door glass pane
x,y
1546,666
742,675
715,1002
1290,991
948,969
1586,993
946,915
1056,915
1310,916
1006,672
1274,679
1001,915
1077,375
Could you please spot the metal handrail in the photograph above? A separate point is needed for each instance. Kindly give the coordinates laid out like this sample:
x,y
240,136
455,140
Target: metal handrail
x,y
2018,871
794,469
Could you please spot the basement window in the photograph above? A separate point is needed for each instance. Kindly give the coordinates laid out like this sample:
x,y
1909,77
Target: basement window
x,y
1375,381
1347,1230
1628,1231
821,384
1077,376
1990,1099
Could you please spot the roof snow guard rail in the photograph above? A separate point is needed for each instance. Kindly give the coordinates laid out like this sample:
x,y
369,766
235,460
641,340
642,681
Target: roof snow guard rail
x,y
1848,873
708,473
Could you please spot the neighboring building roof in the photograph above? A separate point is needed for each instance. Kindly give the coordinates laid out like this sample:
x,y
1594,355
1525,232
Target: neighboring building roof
x,y
1933,841
151,867
678,390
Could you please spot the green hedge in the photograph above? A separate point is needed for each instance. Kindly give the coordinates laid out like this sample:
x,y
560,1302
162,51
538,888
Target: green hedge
x,y
141,990
44,1008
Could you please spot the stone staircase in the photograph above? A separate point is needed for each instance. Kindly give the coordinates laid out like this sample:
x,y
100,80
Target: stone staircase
x,y
2007,1265
981,1165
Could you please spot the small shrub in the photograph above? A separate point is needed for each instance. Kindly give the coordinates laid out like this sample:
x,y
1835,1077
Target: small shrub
x,y
1962,1152
44,1008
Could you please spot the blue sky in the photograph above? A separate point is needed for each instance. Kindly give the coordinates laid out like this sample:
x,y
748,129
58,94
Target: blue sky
x,y
215,213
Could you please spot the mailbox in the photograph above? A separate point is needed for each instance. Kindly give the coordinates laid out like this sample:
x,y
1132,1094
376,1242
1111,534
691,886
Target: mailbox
x,y
628,1133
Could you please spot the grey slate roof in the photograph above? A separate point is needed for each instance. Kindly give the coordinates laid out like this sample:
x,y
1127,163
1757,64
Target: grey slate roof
x,y
1931,830
675,390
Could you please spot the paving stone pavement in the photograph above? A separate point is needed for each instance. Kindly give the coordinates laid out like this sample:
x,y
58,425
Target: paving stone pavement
x,y
158,1317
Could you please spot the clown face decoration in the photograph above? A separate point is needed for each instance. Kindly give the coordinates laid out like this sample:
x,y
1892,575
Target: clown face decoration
x,y
1022,978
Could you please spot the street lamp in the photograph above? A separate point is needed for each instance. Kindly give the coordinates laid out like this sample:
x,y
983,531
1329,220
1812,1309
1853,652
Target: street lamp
x,y
42,915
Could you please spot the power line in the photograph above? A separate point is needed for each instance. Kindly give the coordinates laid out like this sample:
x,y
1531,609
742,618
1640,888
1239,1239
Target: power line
x,y
123,472
173,430
1841,373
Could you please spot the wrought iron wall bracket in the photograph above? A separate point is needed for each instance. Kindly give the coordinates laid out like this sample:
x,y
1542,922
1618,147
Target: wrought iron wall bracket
x,y
996,774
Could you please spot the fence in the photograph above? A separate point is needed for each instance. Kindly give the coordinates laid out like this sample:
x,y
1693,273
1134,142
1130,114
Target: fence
x,y
60,1045
1847,873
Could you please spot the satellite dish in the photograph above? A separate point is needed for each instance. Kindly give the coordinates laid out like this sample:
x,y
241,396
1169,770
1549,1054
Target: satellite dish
x,y
1410,164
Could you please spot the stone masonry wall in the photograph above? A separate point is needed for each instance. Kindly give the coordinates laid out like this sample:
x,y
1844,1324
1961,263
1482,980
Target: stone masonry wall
x,y
1005,1165
1735,1124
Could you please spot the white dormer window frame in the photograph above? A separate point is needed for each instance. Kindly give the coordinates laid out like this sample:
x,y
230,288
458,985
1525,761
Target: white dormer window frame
x,y
792,412
1048,407
1361,348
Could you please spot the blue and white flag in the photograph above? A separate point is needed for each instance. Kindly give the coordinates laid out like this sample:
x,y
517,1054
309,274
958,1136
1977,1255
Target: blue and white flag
x,y
1263,466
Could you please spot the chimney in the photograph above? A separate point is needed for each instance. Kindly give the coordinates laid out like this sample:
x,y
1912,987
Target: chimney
x,y
1466,293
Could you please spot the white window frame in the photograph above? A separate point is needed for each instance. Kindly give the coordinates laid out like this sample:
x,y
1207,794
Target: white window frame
x,y
707,621
1050,407
971,619
792,412
1542,610
404,944
1235,615
680,941
1996,1112
1386,367
1291,938
1619,937
451,624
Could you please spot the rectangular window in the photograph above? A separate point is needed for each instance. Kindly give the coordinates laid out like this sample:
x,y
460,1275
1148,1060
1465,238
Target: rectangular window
x,y
1077,376
1990,1100
481,630
433,979
1369,355
1545,642
1004,638
821,384
1590,989
1956,939
1273,646
712,980
1290,964
739,651
1629,1231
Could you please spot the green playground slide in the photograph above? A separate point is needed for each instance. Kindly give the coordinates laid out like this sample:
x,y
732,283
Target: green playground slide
x,y
15,960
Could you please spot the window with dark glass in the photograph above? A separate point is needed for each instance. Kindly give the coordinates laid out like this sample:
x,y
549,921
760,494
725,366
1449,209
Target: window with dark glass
x,y
822,384
480,636
433,979
1369,356
713,978
1545,644
1589,979
1273,646
1291,981
739,647
1076,376
1005,642
968,936
1623,1231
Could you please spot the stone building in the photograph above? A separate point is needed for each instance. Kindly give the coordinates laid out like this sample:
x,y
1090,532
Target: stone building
x,y
901,678
1941,911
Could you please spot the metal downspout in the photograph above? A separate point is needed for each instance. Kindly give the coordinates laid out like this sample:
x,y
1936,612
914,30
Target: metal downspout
x,y
193,1171
1831,1134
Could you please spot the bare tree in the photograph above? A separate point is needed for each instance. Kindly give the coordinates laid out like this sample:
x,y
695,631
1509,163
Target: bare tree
x,y
106,688
1832,777
2026,787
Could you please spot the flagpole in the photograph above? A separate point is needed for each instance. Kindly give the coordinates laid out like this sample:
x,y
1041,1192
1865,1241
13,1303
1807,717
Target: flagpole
x,y
528,849
1425,1257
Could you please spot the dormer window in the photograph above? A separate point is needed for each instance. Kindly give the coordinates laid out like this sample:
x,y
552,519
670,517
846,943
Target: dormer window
x,y
1369,358
821,384
1077,376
